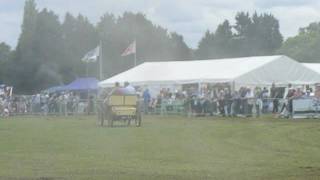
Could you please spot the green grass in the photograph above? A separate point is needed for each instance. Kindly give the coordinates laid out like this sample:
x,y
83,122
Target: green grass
x,y
163,148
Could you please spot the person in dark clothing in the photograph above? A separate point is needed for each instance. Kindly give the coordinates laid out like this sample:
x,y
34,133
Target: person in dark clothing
x,y
275,100
243,101
146,100
265,104
221,102
235,103
227,102
290,97
285,104
206,106
258,100
193,104
199,107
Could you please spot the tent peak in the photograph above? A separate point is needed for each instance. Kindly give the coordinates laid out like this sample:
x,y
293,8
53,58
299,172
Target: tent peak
x,y
218,59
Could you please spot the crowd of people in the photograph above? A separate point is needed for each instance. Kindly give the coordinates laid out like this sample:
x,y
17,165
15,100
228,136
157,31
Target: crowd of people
x,y
208,100
62,103
222,101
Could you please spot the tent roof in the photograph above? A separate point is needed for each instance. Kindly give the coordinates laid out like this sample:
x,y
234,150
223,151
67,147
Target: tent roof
x,y
82,84
314,66
247,71
55,89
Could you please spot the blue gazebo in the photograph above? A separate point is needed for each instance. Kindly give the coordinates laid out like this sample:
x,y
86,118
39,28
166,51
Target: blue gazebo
x,y
82,84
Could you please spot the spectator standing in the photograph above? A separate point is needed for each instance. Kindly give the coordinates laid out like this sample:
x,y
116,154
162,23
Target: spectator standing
x,y
265,103
1,106
70,104
274,96
129,88
221,102
193,104
76,102
284,107
60,104
235,107
227,102
250,102
65,104
290,97
258,101
146,100
298,93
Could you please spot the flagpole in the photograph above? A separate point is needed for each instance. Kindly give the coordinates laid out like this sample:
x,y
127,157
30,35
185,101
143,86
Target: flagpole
x,y
87,69
135,53
87,75
100,62
135,59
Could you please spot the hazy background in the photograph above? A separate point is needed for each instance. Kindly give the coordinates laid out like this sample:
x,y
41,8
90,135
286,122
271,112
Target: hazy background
x,y
190,18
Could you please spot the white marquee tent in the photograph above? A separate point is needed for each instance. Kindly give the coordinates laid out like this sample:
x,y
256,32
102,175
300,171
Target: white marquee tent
x,y
247,71
313,66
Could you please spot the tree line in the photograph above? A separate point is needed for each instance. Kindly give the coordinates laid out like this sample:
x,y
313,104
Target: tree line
x,y
49,52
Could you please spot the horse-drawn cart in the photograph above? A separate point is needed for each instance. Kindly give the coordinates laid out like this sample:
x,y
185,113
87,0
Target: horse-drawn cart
x,y
123,108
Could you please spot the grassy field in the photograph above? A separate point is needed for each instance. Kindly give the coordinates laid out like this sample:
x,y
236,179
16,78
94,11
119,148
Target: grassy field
x,y
164,148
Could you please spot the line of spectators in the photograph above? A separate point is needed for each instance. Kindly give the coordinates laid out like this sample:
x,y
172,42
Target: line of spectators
x,y
222,101
64,103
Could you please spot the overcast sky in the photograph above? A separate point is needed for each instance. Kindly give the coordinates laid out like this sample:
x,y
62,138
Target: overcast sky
x,y
191,18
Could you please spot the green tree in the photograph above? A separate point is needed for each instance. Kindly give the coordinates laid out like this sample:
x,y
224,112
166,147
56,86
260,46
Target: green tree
x,y
180,50
250,36
266,38
259,35
111,49
49,52
205,46
79,37
40,51
5,55
304,47
22,68
154,43
223,41
5,51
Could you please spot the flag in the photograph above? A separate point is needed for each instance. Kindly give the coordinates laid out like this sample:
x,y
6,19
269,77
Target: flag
x,y
130,50
92,55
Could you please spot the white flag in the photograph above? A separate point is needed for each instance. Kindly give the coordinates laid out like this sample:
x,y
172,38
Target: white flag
x,y
130,50
92,56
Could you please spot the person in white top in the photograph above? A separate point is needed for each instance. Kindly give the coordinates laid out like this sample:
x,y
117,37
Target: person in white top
x,y
129,88
250,98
